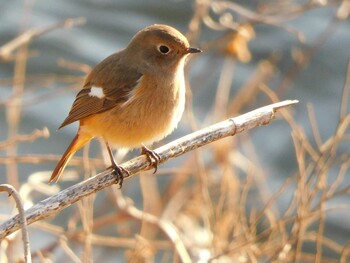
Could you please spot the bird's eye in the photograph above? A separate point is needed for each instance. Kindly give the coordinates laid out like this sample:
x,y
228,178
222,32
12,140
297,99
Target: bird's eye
x,y
163,49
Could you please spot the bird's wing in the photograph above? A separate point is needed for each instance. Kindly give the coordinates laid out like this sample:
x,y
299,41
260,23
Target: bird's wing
x,y
108,85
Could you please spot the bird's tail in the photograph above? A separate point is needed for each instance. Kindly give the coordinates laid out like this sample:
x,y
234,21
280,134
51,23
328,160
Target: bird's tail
x,y
79,141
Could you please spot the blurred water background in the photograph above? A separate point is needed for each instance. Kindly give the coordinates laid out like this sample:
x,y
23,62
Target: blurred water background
x,y
108,28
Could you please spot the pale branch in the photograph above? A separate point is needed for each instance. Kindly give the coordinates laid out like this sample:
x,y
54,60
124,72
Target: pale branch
x,y
65,198
22,222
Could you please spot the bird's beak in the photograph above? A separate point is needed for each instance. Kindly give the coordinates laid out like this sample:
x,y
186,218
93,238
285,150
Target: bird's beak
x,y
194,50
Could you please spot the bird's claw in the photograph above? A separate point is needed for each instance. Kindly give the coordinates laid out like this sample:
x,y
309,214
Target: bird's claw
x,y
152,157
118,172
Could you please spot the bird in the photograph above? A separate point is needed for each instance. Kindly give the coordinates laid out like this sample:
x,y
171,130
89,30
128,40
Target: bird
x,y
132,98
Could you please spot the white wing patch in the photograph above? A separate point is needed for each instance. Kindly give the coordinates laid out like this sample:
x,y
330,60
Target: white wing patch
x,y
97,92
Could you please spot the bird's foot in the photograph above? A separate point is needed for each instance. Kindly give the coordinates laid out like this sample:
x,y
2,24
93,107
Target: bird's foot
x,y
152,157
119,172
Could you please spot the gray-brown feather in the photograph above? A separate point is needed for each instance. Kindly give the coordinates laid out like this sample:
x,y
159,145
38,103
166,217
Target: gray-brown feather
x,y
117,82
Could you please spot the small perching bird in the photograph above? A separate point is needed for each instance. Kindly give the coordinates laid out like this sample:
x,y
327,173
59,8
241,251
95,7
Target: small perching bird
x,y
132,98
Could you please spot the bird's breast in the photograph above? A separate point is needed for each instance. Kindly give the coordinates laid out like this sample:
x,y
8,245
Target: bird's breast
x,y
152,111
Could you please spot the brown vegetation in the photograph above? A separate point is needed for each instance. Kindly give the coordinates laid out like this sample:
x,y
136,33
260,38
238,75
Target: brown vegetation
x,y
217,206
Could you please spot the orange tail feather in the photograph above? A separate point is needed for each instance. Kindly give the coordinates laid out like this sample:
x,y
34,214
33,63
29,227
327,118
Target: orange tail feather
x,y
79,141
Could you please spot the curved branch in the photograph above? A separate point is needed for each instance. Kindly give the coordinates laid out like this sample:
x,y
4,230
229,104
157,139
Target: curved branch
x,y
22,219
65,198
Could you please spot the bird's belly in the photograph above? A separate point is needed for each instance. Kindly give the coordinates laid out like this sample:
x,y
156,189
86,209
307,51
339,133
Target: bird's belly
x,y
137,123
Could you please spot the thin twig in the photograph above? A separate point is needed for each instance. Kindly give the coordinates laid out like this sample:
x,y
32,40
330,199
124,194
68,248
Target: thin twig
x,y
40,158
21,218
44,133
7,49
65,198
166,226
345,95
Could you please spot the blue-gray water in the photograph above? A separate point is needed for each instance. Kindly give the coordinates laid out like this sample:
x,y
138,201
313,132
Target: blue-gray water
x,y
110,25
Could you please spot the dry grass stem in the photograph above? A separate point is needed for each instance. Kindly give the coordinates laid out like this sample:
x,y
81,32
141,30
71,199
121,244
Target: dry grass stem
x,y
231,201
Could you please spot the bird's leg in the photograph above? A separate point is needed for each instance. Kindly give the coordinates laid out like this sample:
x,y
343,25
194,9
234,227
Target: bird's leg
x,y
152,157
117,169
